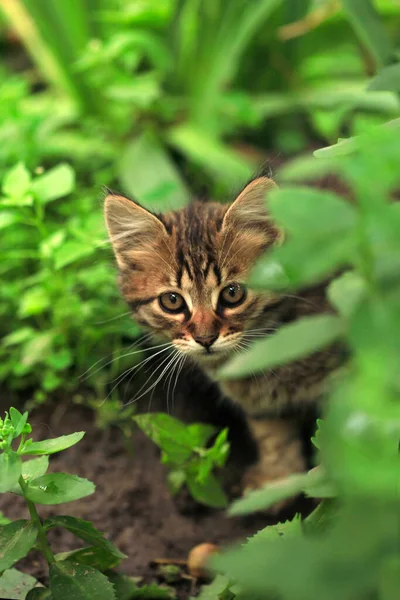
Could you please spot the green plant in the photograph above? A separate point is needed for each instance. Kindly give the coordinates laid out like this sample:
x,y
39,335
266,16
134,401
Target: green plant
x,y
348,547
75,574
41,128
57,286
78,569
189,460
178,85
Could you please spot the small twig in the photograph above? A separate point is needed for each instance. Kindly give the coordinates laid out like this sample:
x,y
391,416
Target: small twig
x,y
169,561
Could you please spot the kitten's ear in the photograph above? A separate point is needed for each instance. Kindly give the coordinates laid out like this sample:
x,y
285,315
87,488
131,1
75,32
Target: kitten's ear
x,y
130,226
249,208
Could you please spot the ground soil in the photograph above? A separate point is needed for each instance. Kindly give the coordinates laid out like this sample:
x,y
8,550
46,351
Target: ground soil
x,y
132,503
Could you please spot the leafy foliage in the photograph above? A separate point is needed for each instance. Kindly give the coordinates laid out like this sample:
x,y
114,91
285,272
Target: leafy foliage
x,y
353,533
145,99
54,307
184,453
76,574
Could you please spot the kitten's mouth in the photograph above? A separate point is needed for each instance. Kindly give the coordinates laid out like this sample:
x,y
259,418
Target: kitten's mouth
x,y
207,353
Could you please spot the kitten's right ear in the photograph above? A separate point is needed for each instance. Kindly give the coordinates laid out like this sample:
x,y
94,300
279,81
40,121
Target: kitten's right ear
x,y
130,226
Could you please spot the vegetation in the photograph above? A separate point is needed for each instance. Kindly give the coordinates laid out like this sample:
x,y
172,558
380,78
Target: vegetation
x,y
184,453
159,101
167,99
79,573
354,531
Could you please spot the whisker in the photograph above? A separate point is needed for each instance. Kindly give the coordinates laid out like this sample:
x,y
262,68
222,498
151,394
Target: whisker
x,y
125,356
129,312
136,397
178,372
131,371
169,379
147,380
138,341
142,362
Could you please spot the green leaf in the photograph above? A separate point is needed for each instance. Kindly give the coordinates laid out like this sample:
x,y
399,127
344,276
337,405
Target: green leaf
x,y
172,436
299,209
215,456
175,479
330,223
390,579
361,435
126,588
18,421
141,91
51,243
209,153
71,252
95,557
16,539
289,343
387,78
15,585
71,580
86,532
276,491
51,381
348,146
369,27
31,469
17,337
278,531
34,302
60,360
346,292
200,433
304,260
316,439
219,589
8,218
39,593
300,564
10,470
56,183
36,349
17,182
54,445
56,488
147,173
269,274
208,492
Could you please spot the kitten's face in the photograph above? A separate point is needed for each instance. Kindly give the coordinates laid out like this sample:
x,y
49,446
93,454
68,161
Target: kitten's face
x,y
183,273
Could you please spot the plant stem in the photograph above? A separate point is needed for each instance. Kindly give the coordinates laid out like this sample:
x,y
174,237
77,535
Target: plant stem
x,y
43,544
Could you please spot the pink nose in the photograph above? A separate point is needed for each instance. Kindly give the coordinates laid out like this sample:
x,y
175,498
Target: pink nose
x,y
205,340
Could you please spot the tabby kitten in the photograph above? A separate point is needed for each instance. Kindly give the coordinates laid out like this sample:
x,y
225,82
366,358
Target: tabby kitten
x,y
183,274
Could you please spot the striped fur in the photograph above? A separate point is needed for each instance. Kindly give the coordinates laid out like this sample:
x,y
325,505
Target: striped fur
x,y
196,252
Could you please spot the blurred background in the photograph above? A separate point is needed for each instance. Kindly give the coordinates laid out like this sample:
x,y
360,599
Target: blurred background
x,y
162,100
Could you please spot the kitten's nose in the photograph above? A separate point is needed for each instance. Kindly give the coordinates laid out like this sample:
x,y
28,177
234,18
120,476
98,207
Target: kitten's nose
x,y
205,340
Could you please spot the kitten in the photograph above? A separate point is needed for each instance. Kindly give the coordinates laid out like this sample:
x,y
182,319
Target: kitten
x,y
183,274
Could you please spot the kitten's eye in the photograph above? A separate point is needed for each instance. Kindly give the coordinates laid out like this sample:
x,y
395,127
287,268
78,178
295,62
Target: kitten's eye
x,y
232,295
172,302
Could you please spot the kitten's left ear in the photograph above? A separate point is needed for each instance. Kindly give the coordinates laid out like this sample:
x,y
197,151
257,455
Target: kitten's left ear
x,y
249,208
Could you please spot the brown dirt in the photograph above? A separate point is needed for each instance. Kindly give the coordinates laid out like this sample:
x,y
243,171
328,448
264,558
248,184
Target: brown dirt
x,y
132,504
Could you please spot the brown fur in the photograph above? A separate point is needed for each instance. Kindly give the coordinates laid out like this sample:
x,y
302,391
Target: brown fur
x,y
196,252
